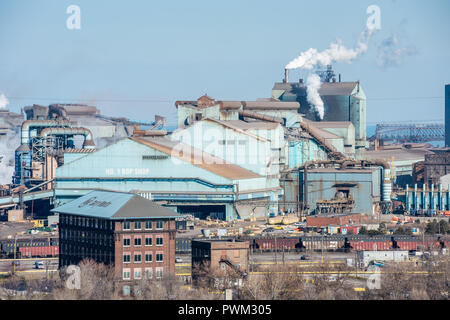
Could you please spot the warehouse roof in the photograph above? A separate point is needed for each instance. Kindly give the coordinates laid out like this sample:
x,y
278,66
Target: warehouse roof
x,y
235,104
197,157
282,105
254,125
237,126
116,206
332,124
326,89
400,154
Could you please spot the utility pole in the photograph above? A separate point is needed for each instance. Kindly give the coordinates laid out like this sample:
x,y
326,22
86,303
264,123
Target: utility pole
x,y
322,250
276,262
14,261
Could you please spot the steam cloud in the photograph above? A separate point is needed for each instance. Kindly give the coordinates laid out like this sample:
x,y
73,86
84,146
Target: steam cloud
x,y
3,101
390,54
8,144
337,52
312,92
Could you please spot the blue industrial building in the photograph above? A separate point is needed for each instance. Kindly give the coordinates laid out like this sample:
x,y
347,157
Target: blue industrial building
x,y
343,101
168,171
332,190
427,199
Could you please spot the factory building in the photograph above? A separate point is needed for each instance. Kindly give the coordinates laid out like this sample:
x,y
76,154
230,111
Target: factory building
x,y
9,122
436,165
365,257
427,199
193,181
257,146
404,160
125,230
447,115
263,109
343,101
219,256
331,190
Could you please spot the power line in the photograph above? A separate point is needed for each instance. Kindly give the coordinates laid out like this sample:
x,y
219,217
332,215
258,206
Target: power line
x,y
407,98
93,100
167,100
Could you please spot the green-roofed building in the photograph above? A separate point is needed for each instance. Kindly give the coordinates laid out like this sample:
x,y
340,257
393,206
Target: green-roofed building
x,y
134,234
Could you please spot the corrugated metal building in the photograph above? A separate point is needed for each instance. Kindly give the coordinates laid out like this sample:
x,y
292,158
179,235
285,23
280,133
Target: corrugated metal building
x,y
159,169
343,101
359,187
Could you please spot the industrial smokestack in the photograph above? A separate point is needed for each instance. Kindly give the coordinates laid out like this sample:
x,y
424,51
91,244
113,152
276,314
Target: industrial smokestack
x,y
286,75
339,77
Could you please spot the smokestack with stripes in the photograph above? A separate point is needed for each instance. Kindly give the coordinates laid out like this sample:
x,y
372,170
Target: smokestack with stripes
x,y
286,75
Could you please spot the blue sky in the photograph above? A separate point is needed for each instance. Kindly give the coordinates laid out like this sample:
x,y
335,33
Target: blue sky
x,y
135,58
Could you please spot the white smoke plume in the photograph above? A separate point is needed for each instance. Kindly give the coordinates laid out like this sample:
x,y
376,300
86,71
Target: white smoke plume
x,y
312,91
8,144
336,52
3,101
391,54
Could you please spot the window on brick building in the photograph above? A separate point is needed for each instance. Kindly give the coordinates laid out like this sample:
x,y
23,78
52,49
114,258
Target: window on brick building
x,y
126,258
126,274
137,273
137,225
148,241
148,225
137,242
159,241
137,258
126,242
159,257
148,273
126,225
148,257
159,224
159,272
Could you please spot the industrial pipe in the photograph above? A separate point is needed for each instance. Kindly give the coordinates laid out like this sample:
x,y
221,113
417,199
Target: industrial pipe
x,y
258,116
328,146
88,138
28,124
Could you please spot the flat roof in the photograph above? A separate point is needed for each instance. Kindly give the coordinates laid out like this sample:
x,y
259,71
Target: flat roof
x,y
400,154
348,170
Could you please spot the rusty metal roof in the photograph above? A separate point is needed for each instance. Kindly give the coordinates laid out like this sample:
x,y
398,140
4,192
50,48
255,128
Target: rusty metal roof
x,y
326,88
331,124
254,125
279,105
198,158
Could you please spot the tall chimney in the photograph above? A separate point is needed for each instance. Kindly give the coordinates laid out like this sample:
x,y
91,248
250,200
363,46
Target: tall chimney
x,y
286,75
339,77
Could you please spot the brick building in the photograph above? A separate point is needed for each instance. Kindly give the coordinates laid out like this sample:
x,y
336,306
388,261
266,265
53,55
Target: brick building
x,y
123,229
336,220
436,166
220,255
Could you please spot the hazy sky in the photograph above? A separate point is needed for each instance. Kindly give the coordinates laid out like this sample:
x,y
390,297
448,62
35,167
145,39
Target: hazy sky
x,y
135,58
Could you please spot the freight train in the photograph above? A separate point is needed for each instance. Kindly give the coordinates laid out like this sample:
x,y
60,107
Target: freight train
x,y
333,243
29,248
